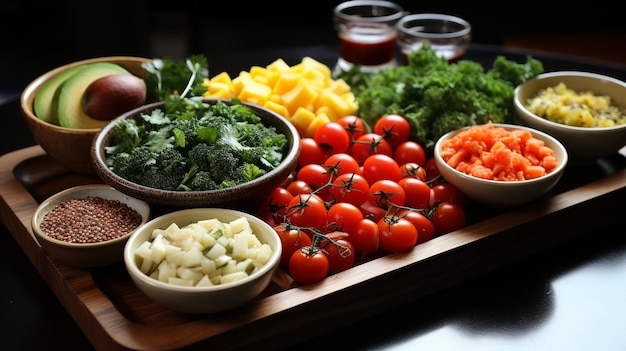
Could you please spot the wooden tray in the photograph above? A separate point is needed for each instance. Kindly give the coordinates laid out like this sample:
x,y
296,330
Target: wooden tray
x,y
113,314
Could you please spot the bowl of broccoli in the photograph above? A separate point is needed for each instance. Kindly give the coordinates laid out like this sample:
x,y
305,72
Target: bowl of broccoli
x,y
197,153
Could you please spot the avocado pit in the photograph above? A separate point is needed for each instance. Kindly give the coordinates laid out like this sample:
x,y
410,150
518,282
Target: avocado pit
x,y
110,96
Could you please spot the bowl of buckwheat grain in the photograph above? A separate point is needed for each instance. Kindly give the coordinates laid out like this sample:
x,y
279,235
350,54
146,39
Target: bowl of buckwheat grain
x,y
88,225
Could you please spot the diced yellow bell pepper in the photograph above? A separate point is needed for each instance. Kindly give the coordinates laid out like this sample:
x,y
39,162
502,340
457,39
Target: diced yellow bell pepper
x,y
302,95
301,119
279,65
278,108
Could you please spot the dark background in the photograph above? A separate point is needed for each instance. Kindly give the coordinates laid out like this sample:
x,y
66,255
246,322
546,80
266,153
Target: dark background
x,y
52,33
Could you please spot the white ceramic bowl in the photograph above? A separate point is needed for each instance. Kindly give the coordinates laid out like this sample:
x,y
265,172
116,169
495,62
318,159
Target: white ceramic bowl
x,y
206,299
584,145
496,193
86,254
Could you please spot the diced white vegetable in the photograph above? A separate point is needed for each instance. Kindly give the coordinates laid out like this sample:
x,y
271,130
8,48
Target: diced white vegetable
x,y
205,281
216,251
193,274
203,253
232,277
192,258
264,254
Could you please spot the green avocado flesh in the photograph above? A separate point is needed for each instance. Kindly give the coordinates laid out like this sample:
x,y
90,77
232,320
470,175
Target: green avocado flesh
x,y
45,95
69,93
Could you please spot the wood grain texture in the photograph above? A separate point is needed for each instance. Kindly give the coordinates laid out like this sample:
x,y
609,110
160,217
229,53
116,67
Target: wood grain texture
x,y
113,314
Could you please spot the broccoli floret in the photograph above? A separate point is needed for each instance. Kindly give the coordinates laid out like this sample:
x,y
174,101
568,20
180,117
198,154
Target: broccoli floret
x,y
202,181
131,165
199,155
222,165
157,178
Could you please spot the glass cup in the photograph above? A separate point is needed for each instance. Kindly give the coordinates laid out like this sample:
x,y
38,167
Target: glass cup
x,y
448,35
367,34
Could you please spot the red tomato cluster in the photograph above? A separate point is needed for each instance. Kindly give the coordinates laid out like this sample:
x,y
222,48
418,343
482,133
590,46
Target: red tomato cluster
x,y
357,193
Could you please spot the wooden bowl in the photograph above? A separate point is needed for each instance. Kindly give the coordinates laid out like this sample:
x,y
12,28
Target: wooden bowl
x,y
244,196
70,147
94,254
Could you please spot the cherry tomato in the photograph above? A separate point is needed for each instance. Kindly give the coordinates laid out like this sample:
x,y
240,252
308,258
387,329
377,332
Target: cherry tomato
x,y
332,137
351,188
308,265
314,174
447,217
409,151
344,217
412,169
365,238
299,187
340,254
379,166
396,234
310,152
395,128
424,226
370,144
446,192
341,163
291,240
432,172
372,211
417,192
277,201
307,210
354,125
385,192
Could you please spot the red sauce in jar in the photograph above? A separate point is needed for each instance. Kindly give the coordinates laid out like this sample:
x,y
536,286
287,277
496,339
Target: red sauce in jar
x,y
367,50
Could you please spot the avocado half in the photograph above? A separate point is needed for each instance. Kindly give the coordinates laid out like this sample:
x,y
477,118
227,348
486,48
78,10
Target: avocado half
x,y
43,103
68,95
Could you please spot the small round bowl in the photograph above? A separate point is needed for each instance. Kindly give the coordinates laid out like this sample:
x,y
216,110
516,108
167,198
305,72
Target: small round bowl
x,y
584,145
500,194
86,254
244,196
203,299
68,146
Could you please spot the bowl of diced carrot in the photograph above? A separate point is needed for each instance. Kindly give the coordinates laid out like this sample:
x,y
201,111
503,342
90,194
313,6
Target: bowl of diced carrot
x,y
501,165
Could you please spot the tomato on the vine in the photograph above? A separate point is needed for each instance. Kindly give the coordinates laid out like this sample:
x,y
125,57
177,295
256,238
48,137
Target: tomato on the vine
x,y
447,217
432,172
417,192
370,144
290,241
310,152
396,234
409,151
332,137
366,238
277,201
446,192
314,174
343,216
299,187
307,210
385,192
424,226
308,265
395,128
351,188
413,170
354,125
341,163
379,166
340,253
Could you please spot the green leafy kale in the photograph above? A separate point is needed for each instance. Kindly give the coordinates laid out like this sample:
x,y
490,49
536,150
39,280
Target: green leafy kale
x,y
436,96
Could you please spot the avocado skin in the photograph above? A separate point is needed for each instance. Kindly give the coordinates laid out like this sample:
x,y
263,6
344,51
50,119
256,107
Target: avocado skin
x,y
70,92
43,103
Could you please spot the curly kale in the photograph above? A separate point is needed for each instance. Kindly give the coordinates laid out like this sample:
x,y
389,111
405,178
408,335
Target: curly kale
x,y
437,96
217,146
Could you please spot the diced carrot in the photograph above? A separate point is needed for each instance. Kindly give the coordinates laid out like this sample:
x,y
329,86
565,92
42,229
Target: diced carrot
x,y
491,152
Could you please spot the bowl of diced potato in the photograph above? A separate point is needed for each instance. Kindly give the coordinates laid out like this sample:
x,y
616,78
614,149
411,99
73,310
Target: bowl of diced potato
x,y
203,260
585,111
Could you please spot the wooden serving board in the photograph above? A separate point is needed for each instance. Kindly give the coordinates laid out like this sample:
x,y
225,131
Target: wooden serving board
x,y
113,314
